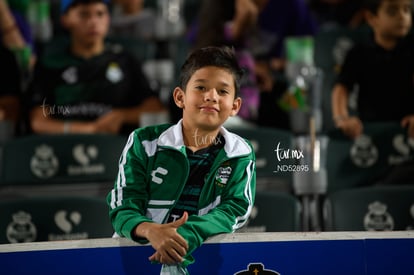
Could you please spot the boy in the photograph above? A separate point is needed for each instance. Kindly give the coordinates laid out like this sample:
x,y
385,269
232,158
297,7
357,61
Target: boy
x,y
178,185
89,86
382,70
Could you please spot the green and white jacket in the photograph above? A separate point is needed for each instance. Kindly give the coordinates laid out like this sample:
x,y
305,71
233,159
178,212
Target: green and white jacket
x,y
153,170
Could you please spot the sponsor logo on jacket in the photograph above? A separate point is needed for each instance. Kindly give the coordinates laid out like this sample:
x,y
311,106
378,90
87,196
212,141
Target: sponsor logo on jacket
x,y
157,175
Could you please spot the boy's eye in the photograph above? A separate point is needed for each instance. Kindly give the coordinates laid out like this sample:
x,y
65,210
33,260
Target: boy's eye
x,y
204,89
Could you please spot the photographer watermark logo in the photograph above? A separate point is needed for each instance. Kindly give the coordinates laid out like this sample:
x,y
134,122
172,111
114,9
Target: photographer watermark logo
x,y
53,110
293,155
200,140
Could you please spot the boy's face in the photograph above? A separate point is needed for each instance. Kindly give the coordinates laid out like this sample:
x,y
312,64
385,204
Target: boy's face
x,y
393,18
87,23
209,98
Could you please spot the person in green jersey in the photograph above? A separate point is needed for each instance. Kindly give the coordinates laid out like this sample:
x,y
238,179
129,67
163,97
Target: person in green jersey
x,y
181,184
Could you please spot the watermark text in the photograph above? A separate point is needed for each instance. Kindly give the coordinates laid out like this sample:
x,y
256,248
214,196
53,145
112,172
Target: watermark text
x,y
200,140
52,110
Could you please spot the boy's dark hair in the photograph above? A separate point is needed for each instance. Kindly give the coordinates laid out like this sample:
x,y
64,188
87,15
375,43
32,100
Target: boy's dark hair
x,y
222,57
373,5
65,5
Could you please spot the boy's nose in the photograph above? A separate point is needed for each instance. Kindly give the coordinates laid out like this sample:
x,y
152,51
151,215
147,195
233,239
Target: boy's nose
x,y
211,95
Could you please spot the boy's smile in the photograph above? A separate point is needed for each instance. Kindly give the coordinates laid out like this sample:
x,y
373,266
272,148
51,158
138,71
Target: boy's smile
x,y
209,109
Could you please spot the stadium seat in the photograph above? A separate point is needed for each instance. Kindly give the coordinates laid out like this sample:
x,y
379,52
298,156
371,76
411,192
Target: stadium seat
x,y
6,131
379,208
271,172
48,160
274,212
353,163
51,219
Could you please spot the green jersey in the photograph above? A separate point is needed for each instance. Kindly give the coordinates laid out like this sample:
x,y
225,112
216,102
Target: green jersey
x,y
153,171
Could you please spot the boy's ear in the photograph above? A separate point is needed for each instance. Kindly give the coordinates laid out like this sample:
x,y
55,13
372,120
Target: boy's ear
x,y
179,96
236,106
369,18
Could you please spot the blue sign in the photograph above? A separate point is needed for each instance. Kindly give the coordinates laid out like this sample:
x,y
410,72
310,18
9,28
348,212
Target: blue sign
x,y
351,256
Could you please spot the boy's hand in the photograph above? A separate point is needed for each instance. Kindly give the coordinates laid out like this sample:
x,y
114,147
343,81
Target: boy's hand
x,y
350,126
170,246
408,121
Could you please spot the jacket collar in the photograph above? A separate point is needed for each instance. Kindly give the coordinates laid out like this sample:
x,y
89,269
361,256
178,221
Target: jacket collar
x,y
235,146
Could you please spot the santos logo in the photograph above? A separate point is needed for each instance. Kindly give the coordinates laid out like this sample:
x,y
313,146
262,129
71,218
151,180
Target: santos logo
x,y
44,163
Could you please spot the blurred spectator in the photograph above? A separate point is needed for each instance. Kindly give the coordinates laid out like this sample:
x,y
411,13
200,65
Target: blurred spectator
x,y
11,34
381,71
276,21
230,23
130,18
257,29
16,33
88,86
10,88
